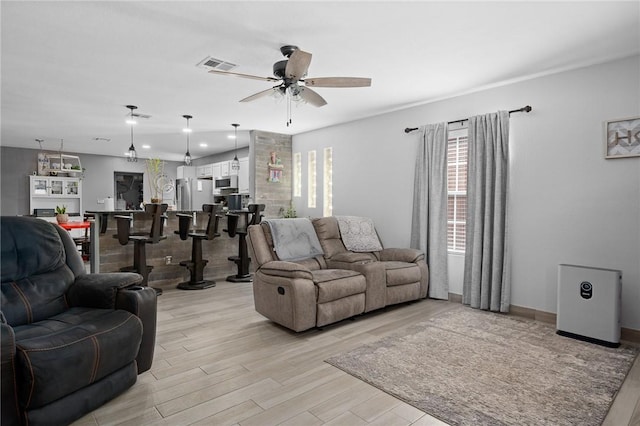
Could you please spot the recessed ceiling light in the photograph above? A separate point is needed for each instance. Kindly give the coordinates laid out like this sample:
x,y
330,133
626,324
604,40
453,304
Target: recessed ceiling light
x,y
231,136
146,146
203,145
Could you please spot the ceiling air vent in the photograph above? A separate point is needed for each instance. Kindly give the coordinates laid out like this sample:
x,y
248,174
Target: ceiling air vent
x,y
218,64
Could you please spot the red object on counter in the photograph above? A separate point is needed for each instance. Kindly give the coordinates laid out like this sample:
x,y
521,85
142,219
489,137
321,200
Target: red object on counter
x,y
75,225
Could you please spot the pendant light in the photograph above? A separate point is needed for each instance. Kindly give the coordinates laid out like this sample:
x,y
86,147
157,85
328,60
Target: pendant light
x,y
235,164
187,155
132,155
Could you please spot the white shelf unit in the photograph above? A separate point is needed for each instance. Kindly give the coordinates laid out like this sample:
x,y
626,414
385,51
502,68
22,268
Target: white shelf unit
x,y
47,192
59,165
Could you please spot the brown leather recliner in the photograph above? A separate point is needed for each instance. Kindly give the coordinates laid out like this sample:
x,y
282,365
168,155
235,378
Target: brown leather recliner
x,y
71,341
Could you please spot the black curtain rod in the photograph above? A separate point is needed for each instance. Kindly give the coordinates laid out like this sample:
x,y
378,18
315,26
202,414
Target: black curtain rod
x,y
523,109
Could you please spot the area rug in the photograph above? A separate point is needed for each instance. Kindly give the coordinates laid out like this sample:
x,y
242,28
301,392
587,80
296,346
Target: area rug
x,y
469,367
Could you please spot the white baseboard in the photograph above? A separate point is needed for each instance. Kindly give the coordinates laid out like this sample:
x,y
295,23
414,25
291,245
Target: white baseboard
x,y
627,334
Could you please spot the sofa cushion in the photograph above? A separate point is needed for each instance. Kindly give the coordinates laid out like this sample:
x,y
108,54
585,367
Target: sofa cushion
x,y
294,239
335,284
358,234
23,257
329,236
400,273
57,356
35,276
37,297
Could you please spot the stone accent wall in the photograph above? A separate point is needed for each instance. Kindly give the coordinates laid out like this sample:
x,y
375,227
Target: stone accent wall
x,y
274,195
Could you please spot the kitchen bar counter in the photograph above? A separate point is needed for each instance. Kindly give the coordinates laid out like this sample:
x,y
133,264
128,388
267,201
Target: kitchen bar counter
x,y
165,256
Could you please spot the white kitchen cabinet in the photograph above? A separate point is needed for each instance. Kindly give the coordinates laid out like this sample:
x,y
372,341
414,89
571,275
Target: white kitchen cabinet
x,y
216,170
184,172
48,192
243,176
204,172
225,169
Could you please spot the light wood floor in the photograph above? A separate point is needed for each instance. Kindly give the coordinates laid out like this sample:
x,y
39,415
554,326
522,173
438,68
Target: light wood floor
x,y
218,362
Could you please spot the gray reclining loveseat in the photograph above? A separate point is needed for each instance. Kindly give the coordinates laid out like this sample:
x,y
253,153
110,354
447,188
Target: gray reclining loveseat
x,y
331,283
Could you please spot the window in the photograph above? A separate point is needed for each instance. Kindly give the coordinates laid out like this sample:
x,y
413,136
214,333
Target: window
x,y
297,174
328,182
457,190
311,180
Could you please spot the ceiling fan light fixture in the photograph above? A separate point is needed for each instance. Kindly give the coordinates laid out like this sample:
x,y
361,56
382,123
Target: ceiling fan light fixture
x,y
290,73
235,163
132,155
187,130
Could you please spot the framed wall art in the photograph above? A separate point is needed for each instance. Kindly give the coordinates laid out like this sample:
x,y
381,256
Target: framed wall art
x,y
622,138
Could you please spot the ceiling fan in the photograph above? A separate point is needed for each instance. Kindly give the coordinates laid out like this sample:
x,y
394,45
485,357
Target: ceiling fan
x,y
290,73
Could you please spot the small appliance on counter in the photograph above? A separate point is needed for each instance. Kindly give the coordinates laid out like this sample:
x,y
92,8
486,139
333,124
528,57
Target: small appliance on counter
x,y
237,201
234,201
109,204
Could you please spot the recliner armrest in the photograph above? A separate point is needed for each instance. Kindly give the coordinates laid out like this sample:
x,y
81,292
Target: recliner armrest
x,y
100,290
10,411
401,255
281,268
142,302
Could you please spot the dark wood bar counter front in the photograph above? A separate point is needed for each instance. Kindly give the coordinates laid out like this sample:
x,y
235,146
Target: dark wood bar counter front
x,y
165,257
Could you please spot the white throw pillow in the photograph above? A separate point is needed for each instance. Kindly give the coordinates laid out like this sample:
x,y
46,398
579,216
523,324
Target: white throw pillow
x,y
358,234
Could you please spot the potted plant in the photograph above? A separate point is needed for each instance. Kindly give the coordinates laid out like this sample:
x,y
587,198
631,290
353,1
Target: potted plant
x,y
155,169
61,214
288,213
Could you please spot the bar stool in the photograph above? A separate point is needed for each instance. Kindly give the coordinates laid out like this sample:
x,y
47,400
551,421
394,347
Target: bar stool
x,y
84,242
242,259
197,263
141,239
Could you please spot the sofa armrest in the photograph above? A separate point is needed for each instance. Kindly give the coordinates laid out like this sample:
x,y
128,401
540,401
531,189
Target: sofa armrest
x,y
100,290
281,268
401,255
375,275
10,412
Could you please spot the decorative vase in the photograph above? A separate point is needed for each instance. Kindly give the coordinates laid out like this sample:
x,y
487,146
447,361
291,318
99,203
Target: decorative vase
x,y
62,217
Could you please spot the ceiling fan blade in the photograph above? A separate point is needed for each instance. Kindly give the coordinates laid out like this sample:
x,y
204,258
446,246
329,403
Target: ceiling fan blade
x,y
297,65
338,82
237,74
259,95
312,97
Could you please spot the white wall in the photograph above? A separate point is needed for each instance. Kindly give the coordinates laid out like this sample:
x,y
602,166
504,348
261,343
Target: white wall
x,y
568,204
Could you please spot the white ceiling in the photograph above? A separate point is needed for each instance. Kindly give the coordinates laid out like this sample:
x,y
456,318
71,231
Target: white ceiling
x,y
69,68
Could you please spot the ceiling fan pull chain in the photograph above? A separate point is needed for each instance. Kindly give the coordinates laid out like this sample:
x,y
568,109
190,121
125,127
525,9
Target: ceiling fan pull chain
x,y
288,108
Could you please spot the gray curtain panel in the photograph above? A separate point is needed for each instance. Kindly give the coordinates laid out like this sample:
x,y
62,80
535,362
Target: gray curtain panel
x,y
429,217
486,268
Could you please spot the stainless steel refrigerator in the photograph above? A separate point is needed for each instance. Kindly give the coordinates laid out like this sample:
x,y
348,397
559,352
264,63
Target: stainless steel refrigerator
x,y
192,193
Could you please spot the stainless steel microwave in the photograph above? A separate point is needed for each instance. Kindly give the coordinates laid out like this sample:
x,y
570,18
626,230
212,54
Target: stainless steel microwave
x,y
230,182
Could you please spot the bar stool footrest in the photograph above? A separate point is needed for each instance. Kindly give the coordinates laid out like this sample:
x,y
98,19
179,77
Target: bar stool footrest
x,y
200,285
240,279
